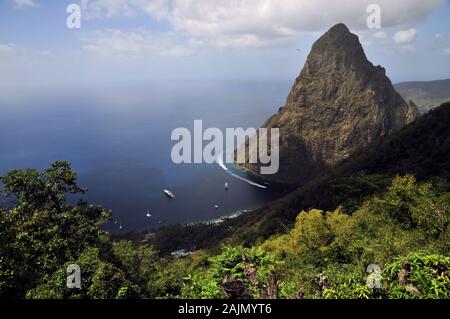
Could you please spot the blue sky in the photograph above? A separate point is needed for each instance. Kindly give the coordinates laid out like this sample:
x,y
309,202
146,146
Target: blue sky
x,y
131,42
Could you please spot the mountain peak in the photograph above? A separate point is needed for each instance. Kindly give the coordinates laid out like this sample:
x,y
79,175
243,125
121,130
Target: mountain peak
x,y
339,28
338,44
339,103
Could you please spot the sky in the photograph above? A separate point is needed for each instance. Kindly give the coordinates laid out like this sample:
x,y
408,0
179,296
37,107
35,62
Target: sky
x,y
133,42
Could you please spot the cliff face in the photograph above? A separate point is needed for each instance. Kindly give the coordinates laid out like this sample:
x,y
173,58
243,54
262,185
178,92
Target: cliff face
x,y
339,103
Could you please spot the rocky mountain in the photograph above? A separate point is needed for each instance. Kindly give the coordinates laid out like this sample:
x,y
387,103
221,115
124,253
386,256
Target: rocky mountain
x,y
427,95
339,103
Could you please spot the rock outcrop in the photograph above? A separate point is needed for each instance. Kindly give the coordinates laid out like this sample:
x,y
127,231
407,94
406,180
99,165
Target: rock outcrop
x,y
339,103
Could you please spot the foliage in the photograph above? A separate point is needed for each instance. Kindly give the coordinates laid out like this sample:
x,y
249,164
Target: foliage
x,y
407,218
347,281
42,231
42,234
230,263
348,192
323,255
420,149
429,274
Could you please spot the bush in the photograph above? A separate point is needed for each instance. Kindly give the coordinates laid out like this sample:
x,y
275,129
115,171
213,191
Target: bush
x,y
428,276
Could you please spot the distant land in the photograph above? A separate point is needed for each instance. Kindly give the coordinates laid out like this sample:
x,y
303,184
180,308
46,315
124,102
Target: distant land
x,y
426,94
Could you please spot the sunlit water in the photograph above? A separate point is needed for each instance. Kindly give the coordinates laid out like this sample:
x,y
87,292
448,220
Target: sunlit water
x,y
119,143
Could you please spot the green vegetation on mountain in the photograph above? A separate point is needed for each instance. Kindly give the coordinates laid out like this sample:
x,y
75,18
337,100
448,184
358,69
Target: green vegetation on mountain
x,y
408,223
42,234
388,207
403,231
420,149
315,243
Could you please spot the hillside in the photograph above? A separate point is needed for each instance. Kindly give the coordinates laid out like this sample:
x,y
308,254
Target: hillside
x,y
326,254
420,149
426,95
315,243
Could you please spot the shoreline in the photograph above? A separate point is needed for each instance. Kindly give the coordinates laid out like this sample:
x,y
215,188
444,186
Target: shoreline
x,y
242,168
219,220
260,178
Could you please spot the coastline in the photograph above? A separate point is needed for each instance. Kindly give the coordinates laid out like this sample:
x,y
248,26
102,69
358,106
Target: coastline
x,y
242,168
261,178
221,219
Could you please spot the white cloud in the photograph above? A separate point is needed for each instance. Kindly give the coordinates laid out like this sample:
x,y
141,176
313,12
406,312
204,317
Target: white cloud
x,y
405,36
440,39
256,23
24,3
113,8
7,48
15,65
380,35
442,43
265,21
11,53
138,43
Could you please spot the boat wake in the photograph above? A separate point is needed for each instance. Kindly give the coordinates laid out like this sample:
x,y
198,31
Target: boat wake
x,y
220,161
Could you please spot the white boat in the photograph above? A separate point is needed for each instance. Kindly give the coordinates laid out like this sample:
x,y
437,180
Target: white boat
x,y
226,186
169,193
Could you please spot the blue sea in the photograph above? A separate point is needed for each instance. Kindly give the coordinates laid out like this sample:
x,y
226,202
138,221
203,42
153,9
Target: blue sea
x,y
118,139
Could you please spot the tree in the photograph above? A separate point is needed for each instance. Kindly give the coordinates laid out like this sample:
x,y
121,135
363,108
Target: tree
x,y
42,231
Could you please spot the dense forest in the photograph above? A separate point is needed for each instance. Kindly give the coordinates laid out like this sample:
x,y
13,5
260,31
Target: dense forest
x,y
374,227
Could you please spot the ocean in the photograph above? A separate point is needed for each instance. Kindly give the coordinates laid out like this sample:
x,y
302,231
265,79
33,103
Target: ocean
x,y
119,142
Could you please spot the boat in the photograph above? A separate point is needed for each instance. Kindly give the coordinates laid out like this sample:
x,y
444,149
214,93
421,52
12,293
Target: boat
x,y
169,193
226,186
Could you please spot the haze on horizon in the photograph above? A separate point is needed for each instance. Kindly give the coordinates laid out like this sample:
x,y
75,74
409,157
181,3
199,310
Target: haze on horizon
x,y
136,42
